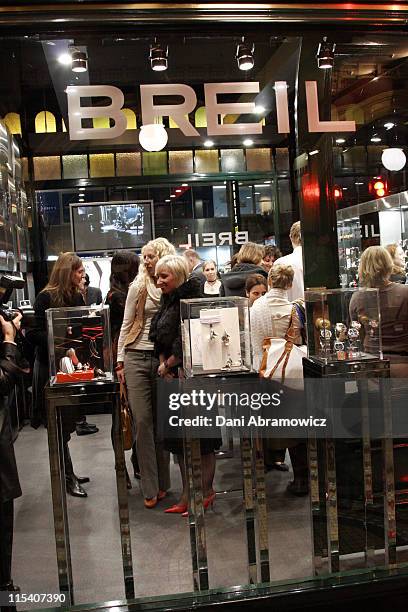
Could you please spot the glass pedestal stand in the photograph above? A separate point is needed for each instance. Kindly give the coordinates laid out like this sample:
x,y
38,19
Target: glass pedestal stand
x,y
64,397
324,471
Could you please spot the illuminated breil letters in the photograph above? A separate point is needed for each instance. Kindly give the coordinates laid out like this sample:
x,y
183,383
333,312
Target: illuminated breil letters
x,y
179,112
212,239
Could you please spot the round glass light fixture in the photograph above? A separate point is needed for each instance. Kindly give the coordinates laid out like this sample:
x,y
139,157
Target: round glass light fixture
x,y
153,137
393,159
79,61
245,55
158,57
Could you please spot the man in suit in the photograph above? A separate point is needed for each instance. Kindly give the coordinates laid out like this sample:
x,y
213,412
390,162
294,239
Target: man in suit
x,y
195,264
92,295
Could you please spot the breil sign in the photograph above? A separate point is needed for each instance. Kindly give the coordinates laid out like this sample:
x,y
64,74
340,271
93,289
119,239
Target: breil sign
x,y
151,109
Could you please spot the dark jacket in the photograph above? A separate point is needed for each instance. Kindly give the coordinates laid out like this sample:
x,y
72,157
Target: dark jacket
x,y
165,330
38,335
9,376
93,296
116,300
233,283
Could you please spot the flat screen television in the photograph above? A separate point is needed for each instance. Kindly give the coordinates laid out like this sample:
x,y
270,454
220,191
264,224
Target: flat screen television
x,y
99,227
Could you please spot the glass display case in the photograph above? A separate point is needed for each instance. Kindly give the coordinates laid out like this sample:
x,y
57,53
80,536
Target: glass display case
x,y
215,334
382,221
343,324
79,344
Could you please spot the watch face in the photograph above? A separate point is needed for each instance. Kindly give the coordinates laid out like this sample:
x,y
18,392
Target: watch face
x,y
340,327
353,333
338,346
326,334
356,324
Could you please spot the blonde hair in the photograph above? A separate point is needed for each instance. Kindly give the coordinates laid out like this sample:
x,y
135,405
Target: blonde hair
x,y
295,234
177,266
375,266
250,253
392,249
281,276
60,285
162,247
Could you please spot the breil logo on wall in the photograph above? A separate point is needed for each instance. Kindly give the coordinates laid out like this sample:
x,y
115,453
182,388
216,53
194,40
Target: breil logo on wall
x,y
208,239
151,109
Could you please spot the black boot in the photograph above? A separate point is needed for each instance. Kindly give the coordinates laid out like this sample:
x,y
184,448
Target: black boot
x,y
74,488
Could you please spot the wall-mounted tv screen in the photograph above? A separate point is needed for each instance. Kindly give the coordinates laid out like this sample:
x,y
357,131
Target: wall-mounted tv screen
x,y
108,226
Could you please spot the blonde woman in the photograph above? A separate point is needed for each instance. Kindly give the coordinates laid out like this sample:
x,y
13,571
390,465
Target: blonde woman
x,y
248,262
174,281
137,366
375,270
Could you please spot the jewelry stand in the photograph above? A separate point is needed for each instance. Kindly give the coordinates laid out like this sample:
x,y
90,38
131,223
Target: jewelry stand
x,y
60,398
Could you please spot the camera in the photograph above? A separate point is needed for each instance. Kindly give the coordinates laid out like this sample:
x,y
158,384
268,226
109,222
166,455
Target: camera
x,y
7,285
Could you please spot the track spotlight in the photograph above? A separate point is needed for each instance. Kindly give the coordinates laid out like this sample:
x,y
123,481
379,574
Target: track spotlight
x,y
245,55
79,61
158,56
325,54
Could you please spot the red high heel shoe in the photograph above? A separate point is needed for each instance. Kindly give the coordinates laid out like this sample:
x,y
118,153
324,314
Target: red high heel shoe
x,y
176,509
207,501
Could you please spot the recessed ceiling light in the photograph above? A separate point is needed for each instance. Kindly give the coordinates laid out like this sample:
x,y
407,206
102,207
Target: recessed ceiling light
x,y
358,183
208,143
259,109
389,125
314,152
178,190
375,138
248,142
340,140
184,184
172,195
267,182
167,200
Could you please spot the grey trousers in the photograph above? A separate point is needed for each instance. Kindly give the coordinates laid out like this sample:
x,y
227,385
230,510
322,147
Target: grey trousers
x,y
141,375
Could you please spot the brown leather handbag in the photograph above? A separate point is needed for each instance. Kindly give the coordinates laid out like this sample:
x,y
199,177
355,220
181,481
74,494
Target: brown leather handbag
x,y
126,419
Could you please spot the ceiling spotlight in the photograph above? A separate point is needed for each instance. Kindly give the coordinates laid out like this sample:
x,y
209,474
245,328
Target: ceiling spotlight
x,y
248,142
389,125
79,61
172,195
158,56
325,54
314,152
340,140
167,200
208,143
375,138
65,59
245,55
178,190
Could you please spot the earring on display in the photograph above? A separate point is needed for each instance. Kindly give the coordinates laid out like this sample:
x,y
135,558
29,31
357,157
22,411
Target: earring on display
x,y
213,335
225,338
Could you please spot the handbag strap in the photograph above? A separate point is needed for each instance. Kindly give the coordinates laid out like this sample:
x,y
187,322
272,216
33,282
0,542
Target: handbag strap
x,y
285,358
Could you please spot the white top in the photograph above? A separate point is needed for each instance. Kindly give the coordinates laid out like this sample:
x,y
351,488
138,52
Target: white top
x,y
294,259
142,343
130,312
212,288
270,316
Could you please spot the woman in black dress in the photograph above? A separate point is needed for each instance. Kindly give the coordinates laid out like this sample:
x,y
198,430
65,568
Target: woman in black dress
x,y
165,332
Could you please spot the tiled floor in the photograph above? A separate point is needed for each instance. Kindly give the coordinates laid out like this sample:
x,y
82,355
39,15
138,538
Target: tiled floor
x,y
160,543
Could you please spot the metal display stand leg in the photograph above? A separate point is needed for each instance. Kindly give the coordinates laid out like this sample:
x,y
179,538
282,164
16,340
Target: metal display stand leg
x,y
249,506
390,528
369,552
59,502
121,486
261,511
192,458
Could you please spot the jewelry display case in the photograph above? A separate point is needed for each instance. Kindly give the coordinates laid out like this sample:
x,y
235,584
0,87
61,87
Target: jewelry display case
x,y
380,222
343,324
215,334
79,344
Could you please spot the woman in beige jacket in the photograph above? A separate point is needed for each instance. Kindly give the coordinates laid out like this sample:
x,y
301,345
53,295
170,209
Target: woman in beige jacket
x,y
137,366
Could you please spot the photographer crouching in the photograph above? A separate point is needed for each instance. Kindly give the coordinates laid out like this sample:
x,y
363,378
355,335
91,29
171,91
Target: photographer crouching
x,y
10,375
